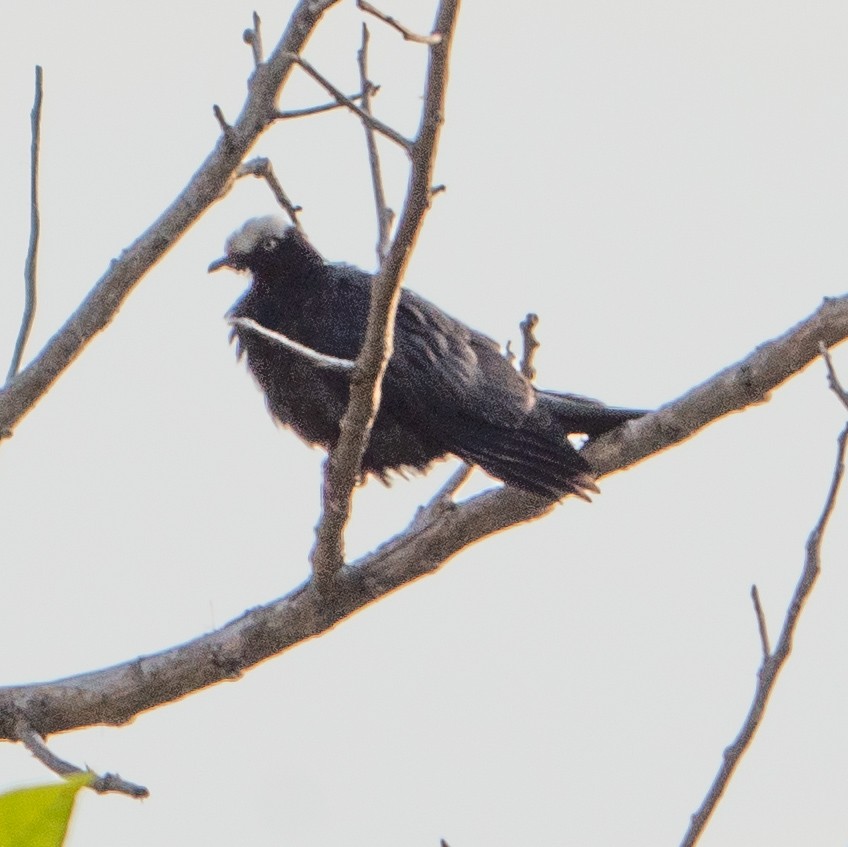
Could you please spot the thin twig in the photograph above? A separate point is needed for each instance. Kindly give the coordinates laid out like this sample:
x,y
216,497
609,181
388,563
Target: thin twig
x,y
385,216
291,114
345,459
333,363
531,345
262,168
443,498
832,378
108,783
408,34
253,37
772,663
34,231
761,622
379,126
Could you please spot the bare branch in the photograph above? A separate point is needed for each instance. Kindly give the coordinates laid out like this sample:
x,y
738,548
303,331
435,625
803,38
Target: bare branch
x,y
772,663
343,99
407,33
738,386
208,184
320,359
105,784
385,216
531,345
253,37
117,694
343,464
34,231
262,168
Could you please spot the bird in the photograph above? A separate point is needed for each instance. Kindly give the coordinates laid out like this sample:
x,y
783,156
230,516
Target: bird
x,y
447,389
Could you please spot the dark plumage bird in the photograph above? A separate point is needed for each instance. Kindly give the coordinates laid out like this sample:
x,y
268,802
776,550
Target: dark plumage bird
x,y
447,388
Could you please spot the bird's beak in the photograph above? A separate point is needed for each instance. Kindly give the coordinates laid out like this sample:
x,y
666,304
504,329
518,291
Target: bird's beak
x,y
224,262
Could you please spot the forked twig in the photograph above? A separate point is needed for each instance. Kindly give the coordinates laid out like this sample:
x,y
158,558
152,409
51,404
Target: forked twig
x,y
108,783
772,663
253,37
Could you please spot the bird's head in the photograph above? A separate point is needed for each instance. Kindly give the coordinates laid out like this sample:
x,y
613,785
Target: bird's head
x,y
259,245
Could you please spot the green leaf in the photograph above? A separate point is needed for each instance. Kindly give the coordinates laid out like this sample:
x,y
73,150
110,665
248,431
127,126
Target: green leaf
x,y
38,817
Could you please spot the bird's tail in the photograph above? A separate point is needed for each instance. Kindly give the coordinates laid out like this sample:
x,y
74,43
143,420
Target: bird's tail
x,y
543,462
576,414
537,455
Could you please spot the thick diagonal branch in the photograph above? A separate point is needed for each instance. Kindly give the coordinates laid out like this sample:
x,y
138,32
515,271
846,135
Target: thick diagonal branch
x,y
116,695
209,182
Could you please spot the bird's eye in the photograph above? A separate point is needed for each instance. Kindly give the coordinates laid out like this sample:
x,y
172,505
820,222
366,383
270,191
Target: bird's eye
x,y
269,244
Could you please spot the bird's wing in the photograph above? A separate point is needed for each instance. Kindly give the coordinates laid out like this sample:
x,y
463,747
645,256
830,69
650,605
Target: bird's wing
x,y
449,368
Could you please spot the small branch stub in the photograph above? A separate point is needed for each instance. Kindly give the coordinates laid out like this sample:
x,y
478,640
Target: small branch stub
x,y
226,129
761,622
531,345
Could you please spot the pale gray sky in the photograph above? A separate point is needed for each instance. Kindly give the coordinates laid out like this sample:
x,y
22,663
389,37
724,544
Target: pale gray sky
x,y
666,185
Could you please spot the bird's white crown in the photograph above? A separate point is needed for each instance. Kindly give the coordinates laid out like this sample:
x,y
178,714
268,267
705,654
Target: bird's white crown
x,y
245,240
